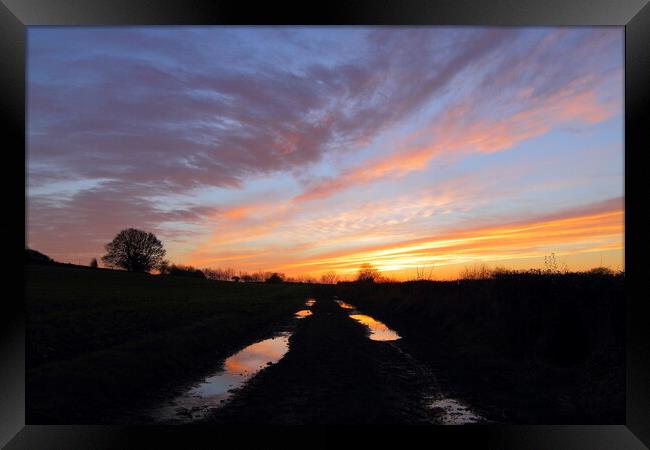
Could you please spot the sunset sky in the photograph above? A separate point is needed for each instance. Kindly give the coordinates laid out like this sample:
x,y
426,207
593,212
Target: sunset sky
x,y
304,150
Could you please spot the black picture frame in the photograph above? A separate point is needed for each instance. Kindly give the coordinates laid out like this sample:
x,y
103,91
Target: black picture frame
x,y
17,15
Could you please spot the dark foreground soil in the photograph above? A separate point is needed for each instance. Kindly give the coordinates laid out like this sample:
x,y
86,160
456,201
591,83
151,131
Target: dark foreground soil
x,y
334,374
523,349
102,342
105,346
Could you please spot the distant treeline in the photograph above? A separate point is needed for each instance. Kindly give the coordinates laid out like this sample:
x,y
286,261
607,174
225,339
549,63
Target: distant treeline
x,y
225,274
367,272
230,274
181,270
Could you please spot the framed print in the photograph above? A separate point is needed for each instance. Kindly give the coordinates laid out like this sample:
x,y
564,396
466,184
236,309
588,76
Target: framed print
x,y
241,222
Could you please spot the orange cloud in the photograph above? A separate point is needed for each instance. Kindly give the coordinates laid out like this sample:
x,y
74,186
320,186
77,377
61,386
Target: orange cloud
x,y
577,231
374,222
458,130
237,212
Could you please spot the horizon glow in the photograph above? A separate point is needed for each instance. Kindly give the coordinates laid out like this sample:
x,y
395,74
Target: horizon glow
x,y
304,150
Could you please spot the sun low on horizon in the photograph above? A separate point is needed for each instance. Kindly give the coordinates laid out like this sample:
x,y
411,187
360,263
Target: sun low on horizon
x,y
307,150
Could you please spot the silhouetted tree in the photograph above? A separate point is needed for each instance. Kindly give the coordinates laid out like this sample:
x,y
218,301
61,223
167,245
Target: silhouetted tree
x,y
260,276
329,277
164,267
219,274
235,279
424,273
550,264
602,271
476,272
367,273
275,278
93,263
134,250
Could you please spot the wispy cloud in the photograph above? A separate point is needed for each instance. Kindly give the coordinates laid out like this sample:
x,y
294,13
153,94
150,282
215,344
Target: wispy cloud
x,y
337,129
486,122
583,229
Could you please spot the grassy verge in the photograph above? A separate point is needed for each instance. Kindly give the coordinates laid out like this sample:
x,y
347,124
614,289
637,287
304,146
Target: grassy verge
x,y
100,340
525,348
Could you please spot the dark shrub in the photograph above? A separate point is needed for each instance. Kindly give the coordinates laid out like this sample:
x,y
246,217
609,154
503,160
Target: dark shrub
x,y
275,278
185,271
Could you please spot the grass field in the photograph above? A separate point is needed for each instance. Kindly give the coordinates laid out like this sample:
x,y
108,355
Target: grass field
x,y
532,348
98,340
522,348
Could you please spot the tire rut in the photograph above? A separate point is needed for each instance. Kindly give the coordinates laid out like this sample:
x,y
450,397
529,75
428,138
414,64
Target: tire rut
x,y
334,374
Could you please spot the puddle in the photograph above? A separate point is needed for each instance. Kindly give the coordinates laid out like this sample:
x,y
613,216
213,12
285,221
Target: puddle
x,y
213,391
197,402
344,305
379,331
305,312
454,412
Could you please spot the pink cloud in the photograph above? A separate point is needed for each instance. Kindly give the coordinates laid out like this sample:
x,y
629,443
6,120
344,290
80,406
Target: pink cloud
x,y
460,129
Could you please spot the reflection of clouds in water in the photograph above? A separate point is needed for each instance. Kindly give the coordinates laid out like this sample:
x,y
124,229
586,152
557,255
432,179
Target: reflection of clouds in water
x,y
257,354
303,313
310,302
215,388
379,330
344,305
237,369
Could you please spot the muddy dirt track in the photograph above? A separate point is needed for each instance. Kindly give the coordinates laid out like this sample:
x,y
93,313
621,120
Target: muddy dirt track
x,y
334,374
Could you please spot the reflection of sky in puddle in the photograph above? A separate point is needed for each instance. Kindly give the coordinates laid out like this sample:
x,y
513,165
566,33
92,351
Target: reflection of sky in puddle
x,y
378,330
310,302
344,305
238,368
454,413
303,313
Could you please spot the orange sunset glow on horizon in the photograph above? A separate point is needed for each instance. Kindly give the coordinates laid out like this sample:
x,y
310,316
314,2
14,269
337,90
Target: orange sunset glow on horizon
x,y
312,150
